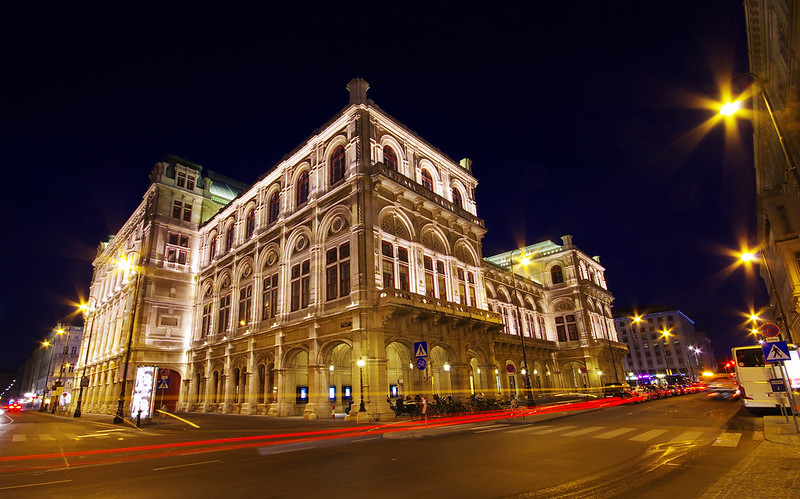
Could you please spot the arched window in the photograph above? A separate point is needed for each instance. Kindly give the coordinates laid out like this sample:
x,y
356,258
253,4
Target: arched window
x,y
389,157
457,198
250,224
557,274
337,165
229,237
302,188
274,207
212,246
427,180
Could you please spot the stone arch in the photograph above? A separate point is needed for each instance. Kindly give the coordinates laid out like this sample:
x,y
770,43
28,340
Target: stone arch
x,y
394,221
223,280
490,291
388,140
300,240
333,143
426,164
434,239
456,184
335,222
464,251
295,378
244,269
530,303
270,255
562,305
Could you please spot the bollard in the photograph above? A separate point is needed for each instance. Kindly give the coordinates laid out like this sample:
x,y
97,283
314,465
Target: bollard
x,y
139,419
333,410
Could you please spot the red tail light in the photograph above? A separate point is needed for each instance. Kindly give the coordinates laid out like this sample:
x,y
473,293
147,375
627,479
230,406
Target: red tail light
x,y
744,395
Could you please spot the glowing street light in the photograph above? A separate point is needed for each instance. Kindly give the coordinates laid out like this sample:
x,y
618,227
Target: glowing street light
x,y
88,312
126,264
748,257
361,364
729,108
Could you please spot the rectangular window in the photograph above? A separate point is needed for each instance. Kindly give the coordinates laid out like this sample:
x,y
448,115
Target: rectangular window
x,y
331,274
306,283
269,298
175,252
301,285
190,182
429,286
442,280
473,298
187,212
561,329
245,304
388,273
224,313
205,328
344,269
177,208
462,287
402,257
181,179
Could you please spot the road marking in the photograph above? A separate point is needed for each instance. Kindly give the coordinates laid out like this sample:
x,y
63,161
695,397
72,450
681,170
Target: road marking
x,y
614,433
46,436
366,439
727,439
496,428
582,431
553,430
33,485
71,436
648,435
687,436
185,465
19,438
482,427
530,428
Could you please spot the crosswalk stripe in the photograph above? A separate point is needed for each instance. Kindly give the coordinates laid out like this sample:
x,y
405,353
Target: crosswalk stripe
x,y
648,435
687,436
496,428
46,436
553,430
614,433
530,429
71,436
19,438
727,439
583,431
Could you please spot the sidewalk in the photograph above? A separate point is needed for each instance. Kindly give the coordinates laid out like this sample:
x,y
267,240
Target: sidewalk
x,y
772,469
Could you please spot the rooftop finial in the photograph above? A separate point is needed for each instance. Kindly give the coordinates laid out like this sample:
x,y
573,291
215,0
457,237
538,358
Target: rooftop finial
x,y
358,91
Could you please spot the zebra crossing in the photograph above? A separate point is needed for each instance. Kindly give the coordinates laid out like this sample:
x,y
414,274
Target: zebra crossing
x,y
115,434
724,439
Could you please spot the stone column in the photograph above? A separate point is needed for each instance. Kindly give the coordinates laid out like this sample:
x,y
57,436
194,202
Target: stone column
x,y
459,381
318,405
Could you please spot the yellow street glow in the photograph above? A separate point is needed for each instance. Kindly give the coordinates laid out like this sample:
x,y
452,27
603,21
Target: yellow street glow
x,y
729,108
747,257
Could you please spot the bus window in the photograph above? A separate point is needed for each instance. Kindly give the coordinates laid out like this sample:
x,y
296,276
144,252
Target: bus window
x,y
750,357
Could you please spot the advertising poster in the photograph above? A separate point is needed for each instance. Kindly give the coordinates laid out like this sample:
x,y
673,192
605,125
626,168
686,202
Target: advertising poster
x,y
143,392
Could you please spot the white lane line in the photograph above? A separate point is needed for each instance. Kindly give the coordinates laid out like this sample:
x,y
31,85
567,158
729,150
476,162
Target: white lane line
x,y
185,465
46,436
530,428
582,431
366,439
19,438
553,430
33,485
687,436
496,428
648,435
70,436
481,427
614,433
727,439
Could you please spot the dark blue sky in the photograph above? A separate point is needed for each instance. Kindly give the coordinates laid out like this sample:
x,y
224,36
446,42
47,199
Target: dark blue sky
x,y
578,119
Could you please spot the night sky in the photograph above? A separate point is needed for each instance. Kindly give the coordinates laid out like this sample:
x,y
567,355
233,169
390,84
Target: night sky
x,y
580,119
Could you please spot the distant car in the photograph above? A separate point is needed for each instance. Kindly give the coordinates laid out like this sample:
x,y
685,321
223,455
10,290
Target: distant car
x,y
621,390
722,386
14,407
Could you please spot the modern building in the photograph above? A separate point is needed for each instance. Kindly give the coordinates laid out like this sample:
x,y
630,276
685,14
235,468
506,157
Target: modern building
x,y
662,343
49,373
349,272
773,35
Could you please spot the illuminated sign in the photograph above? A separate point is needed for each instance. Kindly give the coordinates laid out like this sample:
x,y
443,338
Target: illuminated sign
x,y
143,392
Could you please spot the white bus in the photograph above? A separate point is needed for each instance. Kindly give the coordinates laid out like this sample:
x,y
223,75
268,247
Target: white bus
x,y
753,375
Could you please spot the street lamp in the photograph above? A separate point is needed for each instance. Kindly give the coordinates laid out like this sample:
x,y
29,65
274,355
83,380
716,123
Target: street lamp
x,y
119,417
748,257
691,367
526,377
46,344
88,311
664,336
361,363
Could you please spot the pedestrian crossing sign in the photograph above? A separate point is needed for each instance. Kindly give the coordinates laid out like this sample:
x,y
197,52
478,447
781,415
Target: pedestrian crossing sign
x,y
421,349
162,384
776,352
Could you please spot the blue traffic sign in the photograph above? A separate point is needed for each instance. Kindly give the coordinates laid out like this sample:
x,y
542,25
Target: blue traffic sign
x,y
162,384
777,385
422,364
421,349
777,351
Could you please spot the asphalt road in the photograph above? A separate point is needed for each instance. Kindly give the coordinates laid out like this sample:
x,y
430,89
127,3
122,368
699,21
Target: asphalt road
x,y
664,448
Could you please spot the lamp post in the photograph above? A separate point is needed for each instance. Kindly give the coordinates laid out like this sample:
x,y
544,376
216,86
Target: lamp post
x,y
46,344
749,257
361,363
88,311
60,332
525,374
664,336
119,417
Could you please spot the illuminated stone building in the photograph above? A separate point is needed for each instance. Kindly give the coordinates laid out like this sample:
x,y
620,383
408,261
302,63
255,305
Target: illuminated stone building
x,y
773,35
312,285
50,371
651,353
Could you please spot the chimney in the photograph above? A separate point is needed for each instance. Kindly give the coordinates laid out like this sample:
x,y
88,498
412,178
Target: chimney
x,y
358,91
466,164
567,240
